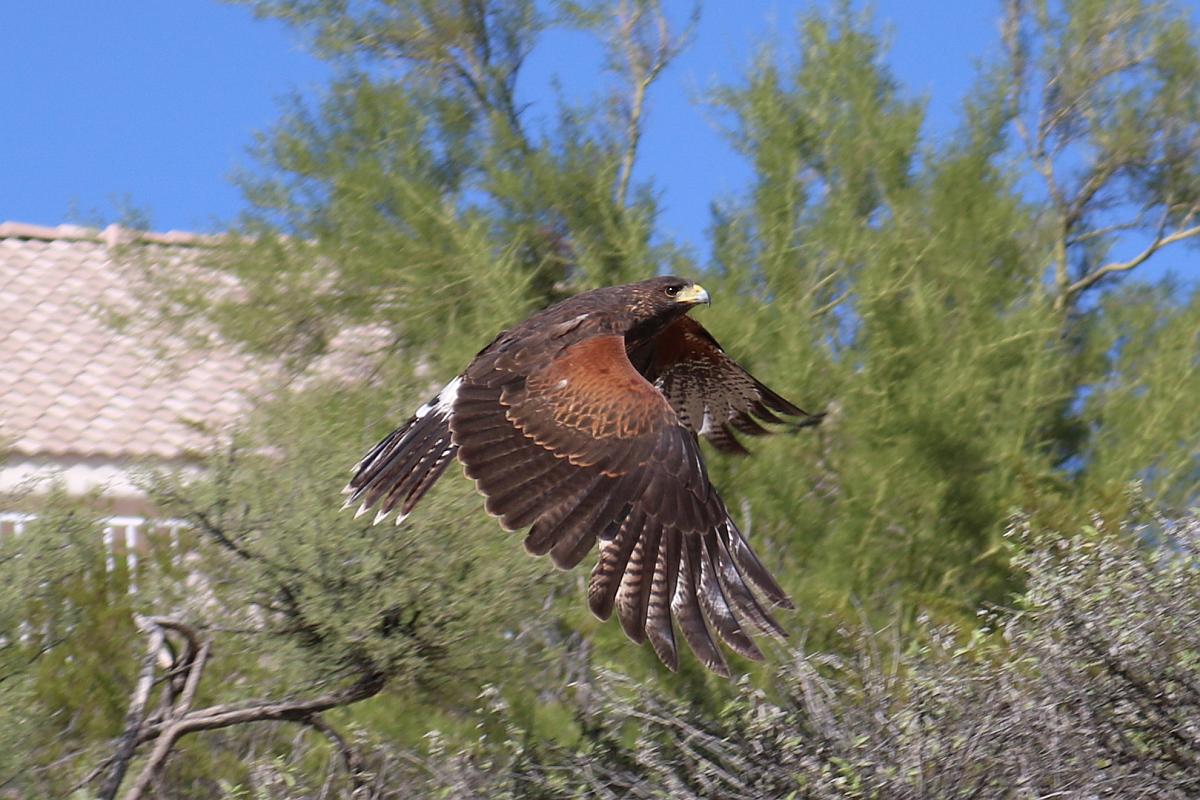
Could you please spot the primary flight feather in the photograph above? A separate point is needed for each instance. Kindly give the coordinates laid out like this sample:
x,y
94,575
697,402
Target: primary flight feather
x,y
582,424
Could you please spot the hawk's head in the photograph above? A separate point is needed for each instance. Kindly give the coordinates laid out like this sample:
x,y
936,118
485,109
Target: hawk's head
x,y
664,298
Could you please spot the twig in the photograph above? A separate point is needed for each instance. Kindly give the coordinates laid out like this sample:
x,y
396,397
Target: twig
x,y
353,761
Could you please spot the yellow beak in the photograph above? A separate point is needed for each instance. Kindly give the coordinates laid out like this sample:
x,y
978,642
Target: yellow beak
x,y
693,295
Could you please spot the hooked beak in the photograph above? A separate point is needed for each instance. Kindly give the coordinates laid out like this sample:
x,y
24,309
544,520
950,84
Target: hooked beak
x,y
693,295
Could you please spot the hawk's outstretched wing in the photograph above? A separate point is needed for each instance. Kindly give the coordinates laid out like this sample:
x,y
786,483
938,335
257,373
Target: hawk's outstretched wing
x,y
710,392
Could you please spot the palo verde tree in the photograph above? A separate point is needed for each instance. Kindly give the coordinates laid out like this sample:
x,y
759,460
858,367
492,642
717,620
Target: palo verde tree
x,y
957,304
1105,102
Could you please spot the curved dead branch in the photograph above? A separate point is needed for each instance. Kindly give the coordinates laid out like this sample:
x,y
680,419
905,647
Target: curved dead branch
x,y
174,717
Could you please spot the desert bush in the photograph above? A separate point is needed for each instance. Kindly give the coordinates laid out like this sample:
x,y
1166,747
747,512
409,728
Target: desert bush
x,y
1087,686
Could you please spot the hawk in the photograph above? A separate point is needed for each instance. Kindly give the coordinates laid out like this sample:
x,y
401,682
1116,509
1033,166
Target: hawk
x,y
583,424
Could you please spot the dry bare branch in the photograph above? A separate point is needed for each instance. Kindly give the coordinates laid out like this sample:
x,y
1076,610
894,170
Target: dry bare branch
x,y
127,744
166,736
1160,241
644,62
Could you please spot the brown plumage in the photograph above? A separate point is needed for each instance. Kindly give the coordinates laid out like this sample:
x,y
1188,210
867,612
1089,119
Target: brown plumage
x,y
582,424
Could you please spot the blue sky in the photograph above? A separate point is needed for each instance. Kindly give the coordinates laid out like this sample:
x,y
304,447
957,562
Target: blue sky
x,y
150,105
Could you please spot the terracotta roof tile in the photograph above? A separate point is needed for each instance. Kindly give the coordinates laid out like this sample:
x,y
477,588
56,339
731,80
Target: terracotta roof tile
x,y
73,384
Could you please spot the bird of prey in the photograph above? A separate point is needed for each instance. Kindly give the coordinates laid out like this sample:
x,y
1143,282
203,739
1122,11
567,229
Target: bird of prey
x,y
582,424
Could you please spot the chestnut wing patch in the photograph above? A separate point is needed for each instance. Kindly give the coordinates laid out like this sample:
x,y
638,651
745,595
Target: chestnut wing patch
x,y
589,404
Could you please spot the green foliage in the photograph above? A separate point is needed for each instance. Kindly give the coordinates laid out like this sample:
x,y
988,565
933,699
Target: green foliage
x,y
65,635
322,594
1144,415
416,176
902,289
1087,686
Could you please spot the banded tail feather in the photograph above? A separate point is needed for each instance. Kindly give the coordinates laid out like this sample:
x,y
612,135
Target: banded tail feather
x,y
398,471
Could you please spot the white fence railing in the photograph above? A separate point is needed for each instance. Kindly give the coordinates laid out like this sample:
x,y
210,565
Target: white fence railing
x,y
125,537
13,522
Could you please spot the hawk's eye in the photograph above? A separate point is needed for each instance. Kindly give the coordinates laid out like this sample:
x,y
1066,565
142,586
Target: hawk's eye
x,y
673,290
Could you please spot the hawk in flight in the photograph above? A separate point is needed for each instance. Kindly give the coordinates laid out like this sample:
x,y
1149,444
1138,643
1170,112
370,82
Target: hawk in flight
x,y
582,424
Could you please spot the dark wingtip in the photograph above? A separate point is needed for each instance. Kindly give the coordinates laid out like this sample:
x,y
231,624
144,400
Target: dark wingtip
x,y
776,402
810,421
667,656
724,441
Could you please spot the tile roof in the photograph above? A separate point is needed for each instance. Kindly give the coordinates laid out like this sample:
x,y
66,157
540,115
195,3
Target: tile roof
x,y
74,384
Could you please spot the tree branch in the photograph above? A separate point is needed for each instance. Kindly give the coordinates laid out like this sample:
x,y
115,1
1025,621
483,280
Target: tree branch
x,y
127,744
1092,278
355,766
168,734
1035,150
645,65
176,718
641,74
